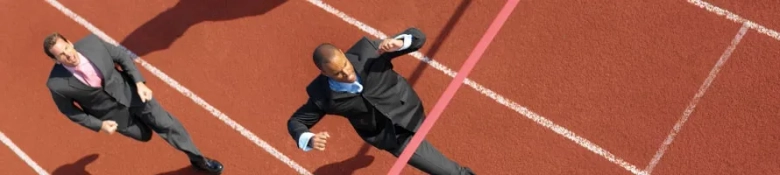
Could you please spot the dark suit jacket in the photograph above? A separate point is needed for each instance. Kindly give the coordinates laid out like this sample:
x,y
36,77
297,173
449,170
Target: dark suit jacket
x,y
97,104
383,88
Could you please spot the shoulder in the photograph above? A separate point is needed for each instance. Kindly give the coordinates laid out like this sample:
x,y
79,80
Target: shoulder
x,y
57,77
317,87
317,91
364,47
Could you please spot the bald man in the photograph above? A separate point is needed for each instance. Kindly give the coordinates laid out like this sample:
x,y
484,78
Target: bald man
x,y
361,85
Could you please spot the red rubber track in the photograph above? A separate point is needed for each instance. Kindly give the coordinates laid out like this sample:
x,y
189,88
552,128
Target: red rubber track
x,y
617,73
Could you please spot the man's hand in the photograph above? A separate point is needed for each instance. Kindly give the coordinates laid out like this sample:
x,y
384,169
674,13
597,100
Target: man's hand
x,y
389,45
319,140
144,92
109,126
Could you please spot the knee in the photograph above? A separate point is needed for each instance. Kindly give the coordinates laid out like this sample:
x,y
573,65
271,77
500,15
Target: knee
x,y
145,137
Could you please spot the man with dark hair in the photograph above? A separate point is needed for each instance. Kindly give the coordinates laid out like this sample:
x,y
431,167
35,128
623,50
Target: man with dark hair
x,y
362,86
112,100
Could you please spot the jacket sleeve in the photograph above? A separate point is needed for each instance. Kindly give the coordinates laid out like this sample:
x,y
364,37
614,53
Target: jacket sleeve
x,y
301,121
413,38
124,58
65,106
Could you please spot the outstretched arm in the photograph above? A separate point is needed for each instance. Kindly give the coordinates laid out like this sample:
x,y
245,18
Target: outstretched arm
x,y
65,106
413,39
301,121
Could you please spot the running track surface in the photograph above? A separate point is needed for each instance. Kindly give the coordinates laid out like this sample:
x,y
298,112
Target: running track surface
x,y
617,74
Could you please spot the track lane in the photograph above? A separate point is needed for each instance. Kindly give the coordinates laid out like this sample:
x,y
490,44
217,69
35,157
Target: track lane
x,y
72,143
335,123
733,130
453,28
619,75
763,12
12,163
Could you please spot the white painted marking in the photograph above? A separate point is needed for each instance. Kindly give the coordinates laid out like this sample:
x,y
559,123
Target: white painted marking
x,y
736,18
22,155
489,93
692,104
186,92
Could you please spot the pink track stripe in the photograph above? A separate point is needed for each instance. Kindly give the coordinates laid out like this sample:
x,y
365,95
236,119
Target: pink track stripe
x,y
456,83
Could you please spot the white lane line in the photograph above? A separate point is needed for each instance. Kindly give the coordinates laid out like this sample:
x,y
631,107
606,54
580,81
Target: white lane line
x,y
736,18
692,104
22,155
186,92
489,93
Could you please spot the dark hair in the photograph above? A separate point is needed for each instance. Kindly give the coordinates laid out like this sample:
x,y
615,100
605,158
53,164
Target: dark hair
x,y
49,42
323,54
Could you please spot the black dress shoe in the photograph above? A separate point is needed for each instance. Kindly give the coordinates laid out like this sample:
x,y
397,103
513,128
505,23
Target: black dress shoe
x,y
209,165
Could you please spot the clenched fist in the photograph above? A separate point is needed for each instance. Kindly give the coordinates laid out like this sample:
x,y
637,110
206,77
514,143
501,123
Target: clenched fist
x,y
109,126
319,140
390,45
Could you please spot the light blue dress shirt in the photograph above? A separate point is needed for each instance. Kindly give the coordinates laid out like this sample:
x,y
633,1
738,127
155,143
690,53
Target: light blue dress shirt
x,y
354,87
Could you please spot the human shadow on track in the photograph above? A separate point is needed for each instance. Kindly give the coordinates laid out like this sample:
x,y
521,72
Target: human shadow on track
x,y
436,45
76,168
161,31
361,160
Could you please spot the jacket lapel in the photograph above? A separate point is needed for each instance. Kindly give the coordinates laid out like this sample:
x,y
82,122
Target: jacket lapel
x,y
76,83
93,53
72,80
336,96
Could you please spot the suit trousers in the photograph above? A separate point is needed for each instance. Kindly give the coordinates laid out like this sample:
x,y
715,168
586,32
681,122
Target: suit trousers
x,y
427,159
151,116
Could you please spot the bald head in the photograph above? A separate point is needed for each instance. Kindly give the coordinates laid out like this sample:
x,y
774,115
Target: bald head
x,y
333,63
324,54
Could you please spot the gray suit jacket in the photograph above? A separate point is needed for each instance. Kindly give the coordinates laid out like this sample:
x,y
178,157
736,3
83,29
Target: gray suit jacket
x,y
385,90
117,92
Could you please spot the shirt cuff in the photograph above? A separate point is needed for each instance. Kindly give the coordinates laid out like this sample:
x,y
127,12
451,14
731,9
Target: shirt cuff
x,y
303,141
407,41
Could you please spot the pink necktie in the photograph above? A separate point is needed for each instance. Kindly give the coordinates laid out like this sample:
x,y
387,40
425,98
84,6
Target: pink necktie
x,y
89,75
